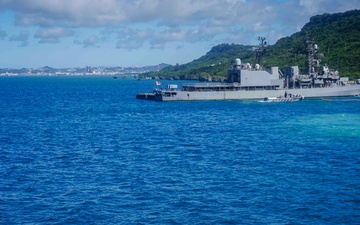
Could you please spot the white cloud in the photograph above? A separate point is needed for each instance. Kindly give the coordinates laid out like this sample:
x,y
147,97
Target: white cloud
x,y
91,41
116,12
22,38
52,34
311,6
129,45
258,27
129,38
158,22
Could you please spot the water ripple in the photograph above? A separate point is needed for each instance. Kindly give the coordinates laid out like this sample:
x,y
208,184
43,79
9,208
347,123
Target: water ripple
x,y
82,150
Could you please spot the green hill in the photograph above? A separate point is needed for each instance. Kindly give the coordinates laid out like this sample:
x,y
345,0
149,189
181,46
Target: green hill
x,y
338,38
337,35
215,64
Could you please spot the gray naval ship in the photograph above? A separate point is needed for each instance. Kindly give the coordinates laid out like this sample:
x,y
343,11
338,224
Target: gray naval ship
x,y
247,82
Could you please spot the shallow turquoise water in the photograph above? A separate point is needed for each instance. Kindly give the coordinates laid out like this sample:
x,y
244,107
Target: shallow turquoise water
x,y
83,150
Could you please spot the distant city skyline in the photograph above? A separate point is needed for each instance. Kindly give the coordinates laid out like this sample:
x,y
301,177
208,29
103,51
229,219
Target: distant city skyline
x,y
87,70
67,33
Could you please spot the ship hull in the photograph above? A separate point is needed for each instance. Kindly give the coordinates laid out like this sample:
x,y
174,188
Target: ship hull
x,y
338,91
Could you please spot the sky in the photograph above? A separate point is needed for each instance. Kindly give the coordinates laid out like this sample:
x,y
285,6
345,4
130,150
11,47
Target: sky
x,y
78,33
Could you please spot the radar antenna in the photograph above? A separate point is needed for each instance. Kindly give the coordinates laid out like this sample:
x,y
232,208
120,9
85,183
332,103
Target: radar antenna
x,y
260,50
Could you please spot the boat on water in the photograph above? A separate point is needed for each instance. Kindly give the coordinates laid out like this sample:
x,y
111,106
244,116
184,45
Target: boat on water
x,y
285,98
247,82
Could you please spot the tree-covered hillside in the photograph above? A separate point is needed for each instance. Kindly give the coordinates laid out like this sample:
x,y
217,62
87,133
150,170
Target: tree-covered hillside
x,y
337,35
338,38
214,64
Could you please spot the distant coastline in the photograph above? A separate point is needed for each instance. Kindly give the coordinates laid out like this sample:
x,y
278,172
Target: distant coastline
x,y
135,74
81,71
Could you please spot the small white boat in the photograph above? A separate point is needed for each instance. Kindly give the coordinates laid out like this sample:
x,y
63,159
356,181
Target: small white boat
x,y
286,98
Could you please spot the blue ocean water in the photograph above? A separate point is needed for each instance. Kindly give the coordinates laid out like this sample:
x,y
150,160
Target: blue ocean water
x,y
83,150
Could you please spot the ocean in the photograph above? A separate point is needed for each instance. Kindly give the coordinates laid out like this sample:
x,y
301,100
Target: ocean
x,y
84,150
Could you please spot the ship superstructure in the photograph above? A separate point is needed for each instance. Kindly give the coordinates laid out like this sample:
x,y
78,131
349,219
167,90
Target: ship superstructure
x,y
317,75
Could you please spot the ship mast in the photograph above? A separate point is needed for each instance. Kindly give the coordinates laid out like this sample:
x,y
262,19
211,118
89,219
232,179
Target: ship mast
x,y
311,49
260,50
